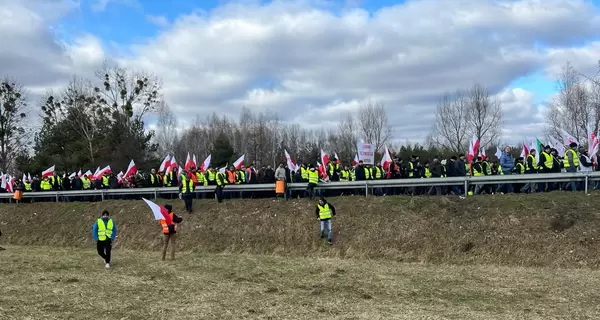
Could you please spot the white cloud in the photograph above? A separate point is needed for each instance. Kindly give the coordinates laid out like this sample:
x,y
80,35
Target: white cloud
x,y
160,21
309,65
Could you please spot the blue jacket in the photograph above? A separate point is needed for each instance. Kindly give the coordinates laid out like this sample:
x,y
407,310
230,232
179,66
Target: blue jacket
x,y
95,231
507,162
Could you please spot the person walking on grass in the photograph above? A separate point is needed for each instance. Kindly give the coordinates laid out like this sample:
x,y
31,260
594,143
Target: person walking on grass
x,y
325,211
169,229
104,232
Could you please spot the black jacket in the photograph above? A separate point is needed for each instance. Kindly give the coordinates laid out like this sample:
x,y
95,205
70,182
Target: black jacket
x,y
331,207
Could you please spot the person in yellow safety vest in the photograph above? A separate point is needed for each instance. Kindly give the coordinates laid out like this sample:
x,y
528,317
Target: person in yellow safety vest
x,y
186,191
85,182
477,169
221,182
427,173
169,230
27,185
105,180
45,184
55,182
201,179
487,169
153,180
304,172
333,169
571,164
352,174
104,232
519,167
211,176
530,168
546,165
313,181
378,172
325,212
240,176
345,174
368,172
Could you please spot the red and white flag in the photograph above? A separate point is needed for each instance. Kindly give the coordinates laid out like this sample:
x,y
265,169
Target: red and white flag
x,y
102,172
567,138
189,163
355,161
239,162
498,153
131,169
120,176
338,161
72,175
24,178
525,151
195,162
29,177
482,154
48,172
165,164
88,174
324,158
172,164
290,162
159,211
79,174
386,160
204,166
473,149
8,183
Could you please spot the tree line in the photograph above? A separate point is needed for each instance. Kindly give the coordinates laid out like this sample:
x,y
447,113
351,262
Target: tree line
x,y
100,121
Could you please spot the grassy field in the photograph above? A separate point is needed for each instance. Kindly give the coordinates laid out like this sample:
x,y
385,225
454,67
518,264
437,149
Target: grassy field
x,y
50,283
546,230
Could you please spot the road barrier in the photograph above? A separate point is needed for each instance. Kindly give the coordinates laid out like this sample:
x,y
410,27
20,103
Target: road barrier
x,y
367,186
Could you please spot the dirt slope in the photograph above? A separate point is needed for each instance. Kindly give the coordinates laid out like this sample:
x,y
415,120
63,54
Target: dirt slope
x,y
558,229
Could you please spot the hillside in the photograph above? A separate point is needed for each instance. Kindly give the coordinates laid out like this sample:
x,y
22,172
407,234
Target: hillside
x,y
558,229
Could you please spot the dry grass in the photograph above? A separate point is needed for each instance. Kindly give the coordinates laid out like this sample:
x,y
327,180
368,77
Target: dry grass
x,y
58,283
558,229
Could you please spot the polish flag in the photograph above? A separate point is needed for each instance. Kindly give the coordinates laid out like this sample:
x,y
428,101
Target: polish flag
x,y
172,164
48,172
131,169
322,171
8,183
386,161
525,151
88,174
324,158
482,154
102,172
290,162
355,161
72,175
498,153
165,164
567,138
29,176
337,158
473,148
159,212
79,174
120,176
204,166
24,178
189,163
195,162
239,162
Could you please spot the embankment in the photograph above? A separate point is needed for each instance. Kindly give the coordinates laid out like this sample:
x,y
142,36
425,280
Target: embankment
x,y
558,229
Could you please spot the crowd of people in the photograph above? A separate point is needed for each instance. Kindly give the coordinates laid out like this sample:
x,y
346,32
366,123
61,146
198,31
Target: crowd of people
x,y
548,161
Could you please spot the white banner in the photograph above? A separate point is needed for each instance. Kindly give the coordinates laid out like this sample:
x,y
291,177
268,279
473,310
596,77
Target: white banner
x,y
366,153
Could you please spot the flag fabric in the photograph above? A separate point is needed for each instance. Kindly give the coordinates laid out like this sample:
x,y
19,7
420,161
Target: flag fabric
x,y
592,144
10,182
120,177
165,164
355,161
131,169
204,166
79,174
290,162
567,138
338,161
324,158
473,148
386,160
239,162
48,172
96,173
482,154
88,174
195,162
29,177
322,171
159,211
102,172
498,153
72,175
24,178
4,180
560,148
189,164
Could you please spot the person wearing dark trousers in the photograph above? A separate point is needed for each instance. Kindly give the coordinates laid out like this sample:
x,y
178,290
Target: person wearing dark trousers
x,y
325,212
220,177
186,191
169,229
104,232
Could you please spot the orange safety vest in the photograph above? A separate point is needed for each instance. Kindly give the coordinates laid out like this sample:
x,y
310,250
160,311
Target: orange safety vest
x,y
165,226
194,177
231,176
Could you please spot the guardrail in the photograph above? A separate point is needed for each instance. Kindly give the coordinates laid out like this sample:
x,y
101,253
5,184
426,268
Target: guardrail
x,y
367,186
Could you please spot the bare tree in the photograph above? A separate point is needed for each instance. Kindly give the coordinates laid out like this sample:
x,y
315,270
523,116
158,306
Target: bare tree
x,y
373,124
166,135
12,112
348,136
484,116
451,128
575,107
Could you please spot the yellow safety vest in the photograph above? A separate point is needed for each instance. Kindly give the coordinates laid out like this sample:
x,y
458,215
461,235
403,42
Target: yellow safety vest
x,y
411,168
575,159
548,161
427,173
188,185
324,212
352,175
313,177
105,231
532,161
488,168
344,175
500,172
304,173
521,168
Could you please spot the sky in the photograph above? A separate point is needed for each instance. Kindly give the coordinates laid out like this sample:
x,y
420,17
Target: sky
x,y
310,61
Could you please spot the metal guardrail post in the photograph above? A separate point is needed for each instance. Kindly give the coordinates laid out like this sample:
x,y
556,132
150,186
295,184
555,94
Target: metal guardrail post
x,y
102,195
156,193
366,189
586,183
56,196
466,185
